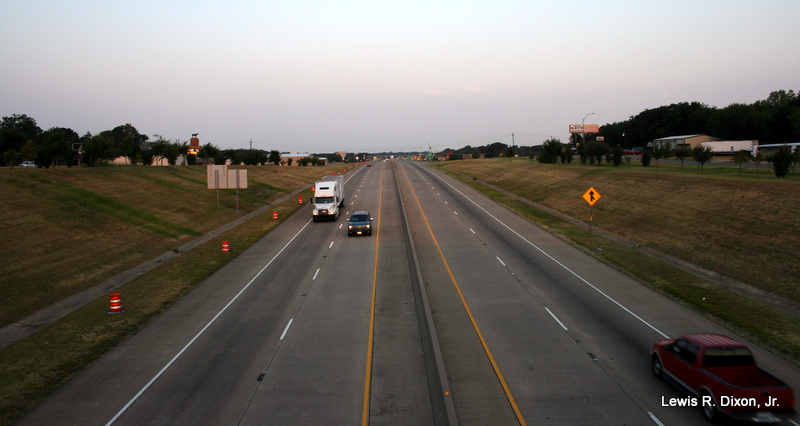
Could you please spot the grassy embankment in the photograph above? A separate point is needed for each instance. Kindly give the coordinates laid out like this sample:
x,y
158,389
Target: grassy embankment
x,y
69,229
745,227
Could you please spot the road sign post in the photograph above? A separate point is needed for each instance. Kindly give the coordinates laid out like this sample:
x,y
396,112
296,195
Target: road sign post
x,y
591,196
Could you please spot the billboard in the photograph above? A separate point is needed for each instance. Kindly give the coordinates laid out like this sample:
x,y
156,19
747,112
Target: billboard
x,y
584,128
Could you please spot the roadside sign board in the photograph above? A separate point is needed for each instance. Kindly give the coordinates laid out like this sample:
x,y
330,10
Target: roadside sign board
x,y
219,177
591,196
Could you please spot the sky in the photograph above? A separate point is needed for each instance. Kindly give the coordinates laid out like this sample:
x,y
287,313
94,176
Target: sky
x,y
383,76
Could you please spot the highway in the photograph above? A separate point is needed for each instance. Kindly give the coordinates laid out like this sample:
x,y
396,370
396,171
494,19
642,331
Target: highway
x,y
310,326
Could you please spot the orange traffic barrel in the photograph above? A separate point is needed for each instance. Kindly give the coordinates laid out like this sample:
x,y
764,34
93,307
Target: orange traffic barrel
x,y
225,247
300,199
115,304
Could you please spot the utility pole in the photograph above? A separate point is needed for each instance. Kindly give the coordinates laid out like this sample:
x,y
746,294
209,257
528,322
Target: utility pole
x,y
251,144
511,153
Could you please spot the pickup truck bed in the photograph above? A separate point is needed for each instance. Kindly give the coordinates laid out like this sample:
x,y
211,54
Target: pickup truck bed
x,y
750,377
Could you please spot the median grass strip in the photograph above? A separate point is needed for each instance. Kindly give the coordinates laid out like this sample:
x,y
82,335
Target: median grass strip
x,y
40,363
555,185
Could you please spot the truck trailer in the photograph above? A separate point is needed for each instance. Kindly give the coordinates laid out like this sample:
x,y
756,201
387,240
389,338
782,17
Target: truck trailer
x,y
328,197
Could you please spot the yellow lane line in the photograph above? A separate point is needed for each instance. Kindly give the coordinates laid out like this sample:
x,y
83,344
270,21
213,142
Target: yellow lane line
x,y
368,375
469,312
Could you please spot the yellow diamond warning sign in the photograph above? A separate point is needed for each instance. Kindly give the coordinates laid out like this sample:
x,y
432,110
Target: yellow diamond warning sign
x,y
591,196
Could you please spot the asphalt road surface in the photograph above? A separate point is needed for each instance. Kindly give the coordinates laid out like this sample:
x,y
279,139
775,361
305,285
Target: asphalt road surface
x,y
310,326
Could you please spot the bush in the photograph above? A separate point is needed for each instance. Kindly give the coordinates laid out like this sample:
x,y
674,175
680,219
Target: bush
x,y
781,161
646,158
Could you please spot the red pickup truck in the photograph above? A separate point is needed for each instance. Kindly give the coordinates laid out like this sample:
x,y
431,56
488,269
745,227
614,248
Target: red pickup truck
x,y
722,375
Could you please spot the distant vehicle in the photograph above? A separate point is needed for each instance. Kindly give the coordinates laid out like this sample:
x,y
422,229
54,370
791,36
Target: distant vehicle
x,y
369,164
722,375
27,164
328,197
360,223
632,152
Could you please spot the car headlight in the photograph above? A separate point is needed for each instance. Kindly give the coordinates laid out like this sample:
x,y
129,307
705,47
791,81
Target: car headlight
x,y
349,226
369,226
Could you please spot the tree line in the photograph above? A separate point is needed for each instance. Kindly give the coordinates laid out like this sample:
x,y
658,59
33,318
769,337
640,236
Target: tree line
x,y
773,120
21,139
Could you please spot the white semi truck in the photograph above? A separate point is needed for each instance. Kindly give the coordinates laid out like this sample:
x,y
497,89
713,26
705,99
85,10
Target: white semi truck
x,y
328,197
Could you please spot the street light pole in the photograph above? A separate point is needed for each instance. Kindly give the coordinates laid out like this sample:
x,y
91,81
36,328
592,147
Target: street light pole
x,y
583,126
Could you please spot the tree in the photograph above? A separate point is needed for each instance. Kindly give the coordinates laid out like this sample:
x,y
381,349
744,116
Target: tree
x,y
56,145
741,157
173,150
795,159
583,154
275,157
158,149
566,155
646,157
496,149
595,151
97,149
10,157
781,161
208,151
552,151
778,109
758,159
739,121
129,142
794,120
17,129
616,155
682,153
702,154
254,157
662,151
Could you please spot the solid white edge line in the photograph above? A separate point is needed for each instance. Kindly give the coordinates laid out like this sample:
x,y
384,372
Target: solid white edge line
x,y
556,318
175,358
560,264
655,419
286,330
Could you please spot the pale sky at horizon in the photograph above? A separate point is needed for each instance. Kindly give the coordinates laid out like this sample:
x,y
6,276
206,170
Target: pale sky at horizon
x,y
322,76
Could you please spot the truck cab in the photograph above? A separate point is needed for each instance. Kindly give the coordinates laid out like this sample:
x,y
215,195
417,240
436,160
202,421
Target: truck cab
x,y
328,198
